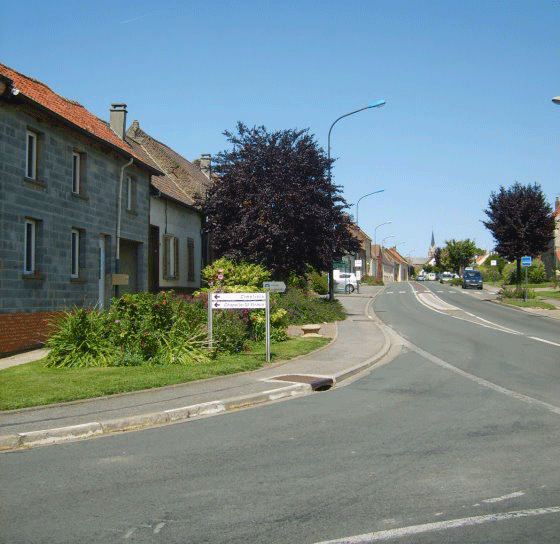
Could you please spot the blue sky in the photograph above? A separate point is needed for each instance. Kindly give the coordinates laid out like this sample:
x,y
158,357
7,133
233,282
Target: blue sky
x,y
468,86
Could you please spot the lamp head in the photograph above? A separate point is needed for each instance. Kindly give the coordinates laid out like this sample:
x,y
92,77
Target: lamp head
x,y
556,100
377,104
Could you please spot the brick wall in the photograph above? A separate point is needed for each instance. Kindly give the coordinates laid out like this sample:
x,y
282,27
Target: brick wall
x,y
23,331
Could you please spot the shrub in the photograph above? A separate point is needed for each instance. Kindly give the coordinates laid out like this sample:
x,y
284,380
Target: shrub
x,y
229,331
80,339
248,275
537,272
318,282
519,293
302,308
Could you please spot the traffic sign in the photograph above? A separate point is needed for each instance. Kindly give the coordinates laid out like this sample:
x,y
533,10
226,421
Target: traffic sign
x,y
276,286
238,301
526,261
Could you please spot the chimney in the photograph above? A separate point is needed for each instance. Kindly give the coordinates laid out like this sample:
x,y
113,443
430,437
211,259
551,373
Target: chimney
x,y
557,202
205,162
117,120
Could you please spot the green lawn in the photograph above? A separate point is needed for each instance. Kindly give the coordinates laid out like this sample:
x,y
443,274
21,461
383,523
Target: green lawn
x,y
529,303
33,384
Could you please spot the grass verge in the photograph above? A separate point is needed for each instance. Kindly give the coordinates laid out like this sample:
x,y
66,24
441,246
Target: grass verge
x,y
530,303
33,384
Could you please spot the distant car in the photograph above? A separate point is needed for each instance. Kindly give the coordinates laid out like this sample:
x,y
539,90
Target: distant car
x,y
472,279
420,277
446,277
345,281
432,276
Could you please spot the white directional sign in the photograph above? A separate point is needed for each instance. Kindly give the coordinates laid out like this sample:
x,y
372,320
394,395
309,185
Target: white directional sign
x,y
238,304
238,301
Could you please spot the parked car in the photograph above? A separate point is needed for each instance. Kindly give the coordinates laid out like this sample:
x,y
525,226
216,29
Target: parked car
x,y
345,281
420,277
472,279
446,277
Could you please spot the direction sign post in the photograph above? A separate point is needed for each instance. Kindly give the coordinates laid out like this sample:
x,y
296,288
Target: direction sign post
x,y
240,301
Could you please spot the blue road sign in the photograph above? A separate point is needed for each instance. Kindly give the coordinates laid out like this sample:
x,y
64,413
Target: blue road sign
x,y
526,261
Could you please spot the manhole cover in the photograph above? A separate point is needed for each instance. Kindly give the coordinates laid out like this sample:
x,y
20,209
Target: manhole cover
x,y
317,383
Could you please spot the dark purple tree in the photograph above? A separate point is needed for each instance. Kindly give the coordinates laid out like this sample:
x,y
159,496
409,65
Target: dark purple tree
x,y
274,205
520,221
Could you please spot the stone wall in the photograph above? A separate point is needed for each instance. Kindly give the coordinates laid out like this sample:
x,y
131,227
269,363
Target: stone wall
x,y
55,210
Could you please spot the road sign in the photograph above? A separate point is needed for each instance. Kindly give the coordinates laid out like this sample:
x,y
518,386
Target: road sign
x,y
526,261
238,301
238,304
275,286
358,263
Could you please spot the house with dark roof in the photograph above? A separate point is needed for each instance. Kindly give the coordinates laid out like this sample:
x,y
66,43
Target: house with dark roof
x,y
177,249
74,208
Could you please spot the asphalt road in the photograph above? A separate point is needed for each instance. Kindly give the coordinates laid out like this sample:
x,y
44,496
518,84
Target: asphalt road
x,y
453,440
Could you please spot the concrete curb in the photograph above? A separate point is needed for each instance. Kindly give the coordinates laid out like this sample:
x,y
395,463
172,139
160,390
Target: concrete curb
x,y
88,430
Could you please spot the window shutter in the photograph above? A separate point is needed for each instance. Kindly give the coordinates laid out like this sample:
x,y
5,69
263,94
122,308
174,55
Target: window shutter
x,y
190,259
165,257
176,258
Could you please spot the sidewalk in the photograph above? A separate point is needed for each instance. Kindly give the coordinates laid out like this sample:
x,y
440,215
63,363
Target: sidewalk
x,y
359,344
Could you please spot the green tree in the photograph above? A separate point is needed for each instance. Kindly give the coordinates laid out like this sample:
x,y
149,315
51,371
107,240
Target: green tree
x,y
520,221
274,205
459,253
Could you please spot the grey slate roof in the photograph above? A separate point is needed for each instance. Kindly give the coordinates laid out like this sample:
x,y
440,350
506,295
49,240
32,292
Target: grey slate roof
x,y
181,180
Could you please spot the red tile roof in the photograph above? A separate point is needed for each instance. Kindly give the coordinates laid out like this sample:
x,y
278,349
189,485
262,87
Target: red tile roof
x,y
69,110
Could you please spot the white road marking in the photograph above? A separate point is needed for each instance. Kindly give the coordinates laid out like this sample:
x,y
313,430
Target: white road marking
x,y
543,340
158,528
481,381
504,497
391,534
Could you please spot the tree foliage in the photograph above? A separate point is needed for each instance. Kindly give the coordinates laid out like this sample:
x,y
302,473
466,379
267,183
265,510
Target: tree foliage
x,y
458,254
274,205
520,221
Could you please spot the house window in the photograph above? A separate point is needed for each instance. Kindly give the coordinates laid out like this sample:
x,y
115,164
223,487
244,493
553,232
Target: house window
x,y
170,257
75,254
190,259
76,173
30,246
31,155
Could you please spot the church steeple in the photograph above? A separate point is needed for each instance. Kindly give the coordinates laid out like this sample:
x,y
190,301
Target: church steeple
x,y
432,249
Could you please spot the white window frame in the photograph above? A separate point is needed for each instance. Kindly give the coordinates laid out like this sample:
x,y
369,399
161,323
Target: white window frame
x,y
75,254
76,172
31,154
29,253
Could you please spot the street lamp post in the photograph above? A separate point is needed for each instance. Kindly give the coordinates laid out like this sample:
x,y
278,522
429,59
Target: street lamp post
x,y
375,245
358,203
376,104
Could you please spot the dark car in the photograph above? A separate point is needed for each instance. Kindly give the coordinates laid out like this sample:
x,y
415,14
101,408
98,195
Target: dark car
x,y
472,279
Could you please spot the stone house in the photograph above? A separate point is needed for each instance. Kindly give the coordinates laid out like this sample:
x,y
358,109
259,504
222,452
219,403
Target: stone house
x,y
177,250
74,208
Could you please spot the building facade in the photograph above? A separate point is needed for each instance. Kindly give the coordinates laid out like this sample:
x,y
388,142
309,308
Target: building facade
x,y
74,209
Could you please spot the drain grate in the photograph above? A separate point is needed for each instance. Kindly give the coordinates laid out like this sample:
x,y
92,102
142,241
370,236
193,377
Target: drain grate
x,y
317,383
